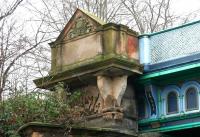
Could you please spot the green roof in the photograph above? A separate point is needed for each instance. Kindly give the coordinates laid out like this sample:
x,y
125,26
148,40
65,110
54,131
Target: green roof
x,y
170,71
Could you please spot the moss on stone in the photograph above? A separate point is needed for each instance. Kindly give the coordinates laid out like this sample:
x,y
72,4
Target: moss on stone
x,y
90,66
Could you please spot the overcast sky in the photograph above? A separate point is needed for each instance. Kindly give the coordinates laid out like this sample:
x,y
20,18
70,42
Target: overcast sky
x,y
185,6
178,7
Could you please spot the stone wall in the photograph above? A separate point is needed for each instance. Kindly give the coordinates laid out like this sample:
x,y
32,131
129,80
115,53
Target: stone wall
x,y
154,134
49,130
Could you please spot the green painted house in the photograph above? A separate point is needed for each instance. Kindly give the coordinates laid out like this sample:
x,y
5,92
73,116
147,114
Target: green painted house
x,y
170,98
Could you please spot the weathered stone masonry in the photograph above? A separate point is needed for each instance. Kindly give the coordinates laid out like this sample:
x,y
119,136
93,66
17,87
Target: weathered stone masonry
x,y
101,60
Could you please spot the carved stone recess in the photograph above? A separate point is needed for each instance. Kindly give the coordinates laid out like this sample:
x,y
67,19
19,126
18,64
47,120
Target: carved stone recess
x,y
151,100
103,99
89,104
92,100
80,27
112,90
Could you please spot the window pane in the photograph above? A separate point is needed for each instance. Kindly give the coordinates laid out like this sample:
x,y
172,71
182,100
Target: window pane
x,y
191,99
172,103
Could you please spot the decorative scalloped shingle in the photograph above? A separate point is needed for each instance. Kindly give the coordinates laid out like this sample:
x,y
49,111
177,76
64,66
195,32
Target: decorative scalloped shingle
x,y
175,43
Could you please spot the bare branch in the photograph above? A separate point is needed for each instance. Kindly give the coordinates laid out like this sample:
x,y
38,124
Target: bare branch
x,y
10,10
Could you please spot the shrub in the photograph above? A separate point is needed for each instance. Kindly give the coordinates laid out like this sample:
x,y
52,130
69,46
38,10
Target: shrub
x,y
22,109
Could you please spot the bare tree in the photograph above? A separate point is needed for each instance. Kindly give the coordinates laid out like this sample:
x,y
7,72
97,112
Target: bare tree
x,y
9,9
148,15
107,10
190,16
141,15
15,44
4,40
58,12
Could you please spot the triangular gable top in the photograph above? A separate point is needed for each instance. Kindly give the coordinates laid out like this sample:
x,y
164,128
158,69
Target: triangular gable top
x,y
92,16
81,22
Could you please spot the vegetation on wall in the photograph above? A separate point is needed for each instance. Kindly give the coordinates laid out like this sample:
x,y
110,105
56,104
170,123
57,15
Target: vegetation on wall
x,y
37,107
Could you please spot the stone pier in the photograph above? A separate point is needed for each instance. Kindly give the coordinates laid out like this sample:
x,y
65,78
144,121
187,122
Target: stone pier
x,y
101,60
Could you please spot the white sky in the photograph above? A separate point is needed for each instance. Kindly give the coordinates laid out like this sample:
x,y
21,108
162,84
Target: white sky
x,y
178,6
185,6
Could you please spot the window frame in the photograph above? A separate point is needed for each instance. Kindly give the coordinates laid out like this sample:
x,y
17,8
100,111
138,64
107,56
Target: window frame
x,y
184,88
163,95
197,99
177,103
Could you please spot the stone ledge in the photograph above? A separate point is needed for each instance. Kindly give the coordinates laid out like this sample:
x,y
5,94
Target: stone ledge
x,y
100,64
37,129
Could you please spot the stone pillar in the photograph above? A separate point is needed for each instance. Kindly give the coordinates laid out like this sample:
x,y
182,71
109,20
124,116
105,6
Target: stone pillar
x,y
112,90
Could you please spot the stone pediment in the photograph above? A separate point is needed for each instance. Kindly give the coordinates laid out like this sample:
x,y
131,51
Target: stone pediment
x,y
87,47
81,23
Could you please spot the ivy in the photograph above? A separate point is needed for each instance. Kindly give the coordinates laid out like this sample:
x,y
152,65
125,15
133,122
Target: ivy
x,y
37,107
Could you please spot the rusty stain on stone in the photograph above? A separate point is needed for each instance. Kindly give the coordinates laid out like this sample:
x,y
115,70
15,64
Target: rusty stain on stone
x,y
132,48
